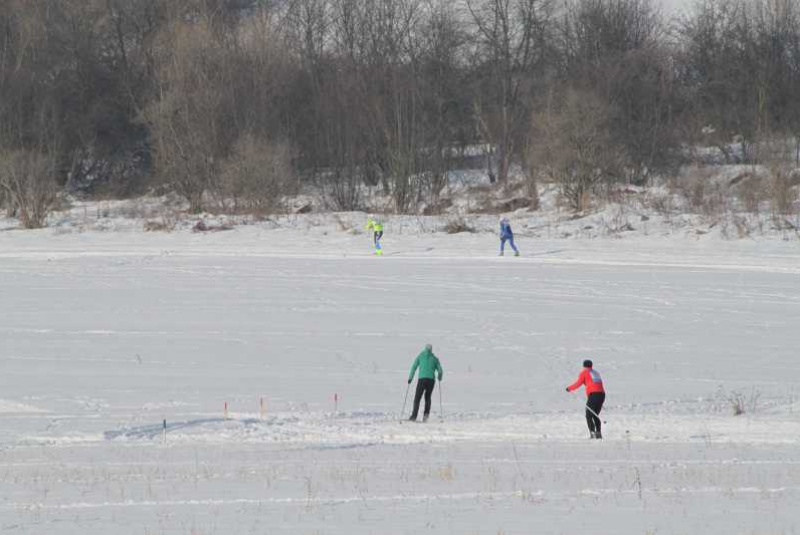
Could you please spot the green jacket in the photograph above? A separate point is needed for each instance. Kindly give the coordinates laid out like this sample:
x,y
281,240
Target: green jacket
x,y
428,365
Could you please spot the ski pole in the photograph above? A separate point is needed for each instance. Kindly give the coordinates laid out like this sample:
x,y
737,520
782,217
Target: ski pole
x,y
588,408
403,410
441,406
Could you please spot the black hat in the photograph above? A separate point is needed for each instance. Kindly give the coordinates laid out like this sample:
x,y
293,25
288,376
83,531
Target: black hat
x,y
587,363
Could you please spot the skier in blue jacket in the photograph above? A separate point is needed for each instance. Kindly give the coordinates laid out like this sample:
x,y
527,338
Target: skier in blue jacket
x,y
507,235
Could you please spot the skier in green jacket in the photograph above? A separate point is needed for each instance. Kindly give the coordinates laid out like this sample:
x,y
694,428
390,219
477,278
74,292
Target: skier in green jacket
x,y
428,365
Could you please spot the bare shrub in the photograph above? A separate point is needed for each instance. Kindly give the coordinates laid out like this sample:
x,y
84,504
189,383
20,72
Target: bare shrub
x,y
458,224
140,209
343,225
662,203
447,473
618,222
484,201
751,192
776,153
202,226
28,179
782,195
340,188
438,208
702,195
255,176
167,223
692,185
513,204
155,226
741,402
742,227
572,145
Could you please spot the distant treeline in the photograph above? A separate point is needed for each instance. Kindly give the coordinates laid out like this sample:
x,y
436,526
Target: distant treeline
x,y
236,102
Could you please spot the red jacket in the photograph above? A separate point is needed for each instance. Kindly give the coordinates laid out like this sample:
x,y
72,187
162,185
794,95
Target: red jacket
x,y
591,379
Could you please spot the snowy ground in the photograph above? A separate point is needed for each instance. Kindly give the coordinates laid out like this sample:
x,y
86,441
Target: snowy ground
x,y
104,335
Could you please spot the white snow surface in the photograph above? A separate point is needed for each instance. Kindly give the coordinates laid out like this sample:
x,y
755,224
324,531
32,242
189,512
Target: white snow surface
x,y
106,334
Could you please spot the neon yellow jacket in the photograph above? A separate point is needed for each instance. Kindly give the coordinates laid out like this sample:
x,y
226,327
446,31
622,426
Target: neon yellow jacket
x,y
374,225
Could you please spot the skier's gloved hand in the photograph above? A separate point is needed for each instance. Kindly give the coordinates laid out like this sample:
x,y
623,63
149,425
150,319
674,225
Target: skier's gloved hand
x,y
567,389
409,381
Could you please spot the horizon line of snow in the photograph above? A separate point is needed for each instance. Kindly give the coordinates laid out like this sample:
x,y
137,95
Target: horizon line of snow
x,y
403,257
398,498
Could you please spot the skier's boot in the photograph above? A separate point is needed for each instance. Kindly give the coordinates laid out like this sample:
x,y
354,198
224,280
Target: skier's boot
x,y
598,435
425,418
501,253
516,253
592,434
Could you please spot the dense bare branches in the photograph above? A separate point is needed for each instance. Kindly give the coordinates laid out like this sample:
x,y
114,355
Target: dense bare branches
x,y
388,93
27,182
572,144
740,65
513,40
615,49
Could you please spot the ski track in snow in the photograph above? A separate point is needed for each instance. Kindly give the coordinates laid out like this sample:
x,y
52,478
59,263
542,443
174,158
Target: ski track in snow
x,y
101,344
397,499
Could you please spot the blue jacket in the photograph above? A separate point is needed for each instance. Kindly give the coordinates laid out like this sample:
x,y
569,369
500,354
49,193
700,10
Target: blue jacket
x,y
505,230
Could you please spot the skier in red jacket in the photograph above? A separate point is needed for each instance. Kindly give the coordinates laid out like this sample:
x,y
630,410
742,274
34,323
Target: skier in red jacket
x,y
596,395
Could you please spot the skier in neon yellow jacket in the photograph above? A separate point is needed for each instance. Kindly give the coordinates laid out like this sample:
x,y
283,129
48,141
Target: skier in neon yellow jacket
x,y
374,224
428,365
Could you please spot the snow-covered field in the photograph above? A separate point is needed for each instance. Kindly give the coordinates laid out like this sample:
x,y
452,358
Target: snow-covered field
x,y
105,335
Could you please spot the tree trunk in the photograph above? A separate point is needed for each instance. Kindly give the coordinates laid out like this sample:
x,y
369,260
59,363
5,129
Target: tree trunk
x,y
503,164
533,190
504,149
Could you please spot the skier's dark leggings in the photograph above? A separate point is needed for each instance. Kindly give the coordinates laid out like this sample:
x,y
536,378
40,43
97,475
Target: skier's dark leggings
x,y
595,403
424,386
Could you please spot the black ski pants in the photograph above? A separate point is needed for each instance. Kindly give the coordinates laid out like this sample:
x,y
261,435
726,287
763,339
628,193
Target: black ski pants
x,y
595,403
424,386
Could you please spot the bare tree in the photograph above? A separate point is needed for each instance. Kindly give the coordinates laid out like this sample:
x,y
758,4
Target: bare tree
x,y
711,43
255,176
572,145
739,64
444,93
513,42
191,119
383,93
617,49
776,44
